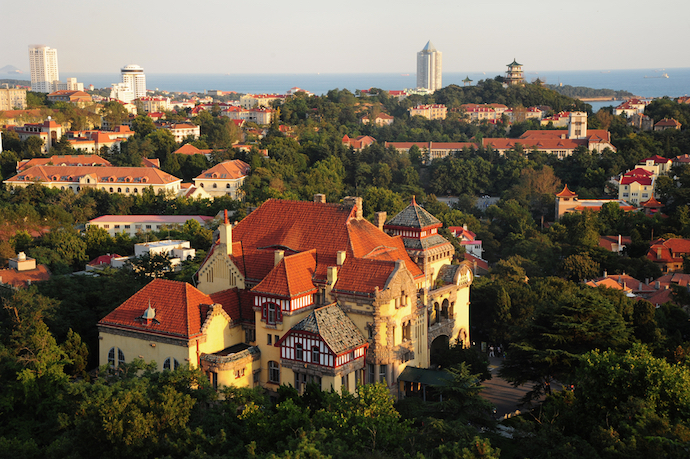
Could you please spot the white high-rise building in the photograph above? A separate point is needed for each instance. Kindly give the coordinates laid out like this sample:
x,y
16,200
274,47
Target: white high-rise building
x,y
429,68
44,68
133,76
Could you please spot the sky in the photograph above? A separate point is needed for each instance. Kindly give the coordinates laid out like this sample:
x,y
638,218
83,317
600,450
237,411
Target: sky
x,y
358,36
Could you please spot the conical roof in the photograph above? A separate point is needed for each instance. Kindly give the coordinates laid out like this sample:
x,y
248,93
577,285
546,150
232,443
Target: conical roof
x,y
414,216
429,48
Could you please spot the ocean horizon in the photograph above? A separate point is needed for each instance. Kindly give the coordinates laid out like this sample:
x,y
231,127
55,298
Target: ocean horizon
x,y
647,83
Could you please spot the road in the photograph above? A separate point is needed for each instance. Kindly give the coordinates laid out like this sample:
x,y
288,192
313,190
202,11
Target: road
x,y
499,392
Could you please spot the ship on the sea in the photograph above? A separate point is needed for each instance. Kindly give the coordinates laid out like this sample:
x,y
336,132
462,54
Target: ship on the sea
x,y
663,75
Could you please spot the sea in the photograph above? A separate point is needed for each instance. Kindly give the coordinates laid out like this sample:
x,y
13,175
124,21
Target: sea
x,y
645,83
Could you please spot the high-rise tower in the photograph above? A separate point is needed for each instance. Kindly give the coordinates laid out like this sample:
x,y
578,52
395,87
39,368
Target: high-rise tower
x,y
429,68
133,76
44,68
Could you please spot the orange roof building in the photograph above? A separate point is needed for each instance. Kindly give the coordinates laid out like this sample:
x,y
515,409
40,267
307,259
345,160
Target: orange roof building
x,y
669,254
567,201
313,292
224,179
125,180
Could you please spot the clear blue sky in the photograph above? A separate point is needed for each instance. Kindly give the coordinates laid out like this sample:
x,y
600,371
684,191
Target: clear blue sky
x,y
358,36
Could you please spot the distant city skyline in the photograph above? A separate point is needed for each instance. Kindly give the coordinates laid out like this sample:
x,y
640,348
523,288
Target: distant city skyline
x,y
305,36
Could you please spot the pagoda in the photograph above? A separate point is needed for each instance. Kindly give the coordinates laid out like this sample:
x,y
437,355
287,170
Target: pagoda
x,y
514,75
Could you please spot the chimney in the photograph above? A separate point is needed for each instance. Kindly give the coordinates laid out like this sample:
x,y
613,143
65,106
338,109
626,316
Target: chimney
x,y
464,226
320,198
340,257
225,230
356,203
278,255
332,275
606,274
657,285
381,219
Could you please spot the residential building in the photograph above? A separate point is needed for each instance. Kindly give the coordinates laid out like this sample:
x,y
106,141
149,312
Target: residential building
x,y
681,160
658,165
667,123
669,254
631,107
65,160
248,101
155,104
651,207
124,180
224,179
101,262
560,119
122,92
567,201
359,142
468,240
133,76
181,130
133,224
175,250
78,98
70,85
93,141
44,68
381,119
429,68
514,75
301,292
22,272
12,98
641,121
259,115
48,131
636,186
430,112
432,150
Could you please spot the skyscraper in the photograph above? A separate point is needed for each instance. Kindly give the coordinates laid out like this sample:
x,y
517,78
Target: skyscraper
x,y
429,68
133,76
44,68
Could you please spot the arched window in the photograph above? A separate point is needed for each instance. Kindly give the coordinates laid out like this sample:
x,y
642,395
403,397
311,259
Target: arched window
x,y
136,190
227,185
170,364
127,190
111,357
215,185
273,372
111,189
119,190
315,355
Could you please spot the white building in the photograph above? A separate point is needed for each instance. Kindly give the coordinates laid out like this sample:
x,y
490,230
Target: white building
x,y
133,224
70,85
122,92
44,68
429,68
134,77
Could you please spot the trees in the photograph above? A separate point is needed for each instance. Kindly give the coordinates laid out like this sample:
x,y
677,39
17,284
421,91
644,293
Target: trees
x,y
568,321
114,113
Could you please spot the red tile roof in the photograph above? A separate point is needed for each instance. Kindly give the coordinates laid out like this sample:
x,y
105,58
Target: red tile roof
x,y
66,160
189,149
103,260
230,170
116,175
20,279
291,277
607,242
180,309
295,226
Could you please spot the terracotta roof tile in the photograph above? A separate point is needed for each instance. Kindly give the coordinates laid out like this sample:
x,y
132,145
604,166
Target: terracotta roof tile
x,y
23,278
291,277
180,309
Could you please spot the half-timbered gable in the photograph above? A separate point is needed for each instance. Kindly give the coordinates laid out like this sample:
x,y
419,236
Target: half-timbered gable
x,y
325,343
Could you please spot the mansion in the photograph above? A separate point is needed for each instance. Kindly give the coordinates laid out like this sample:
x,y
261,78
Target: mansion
x,y
301,292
